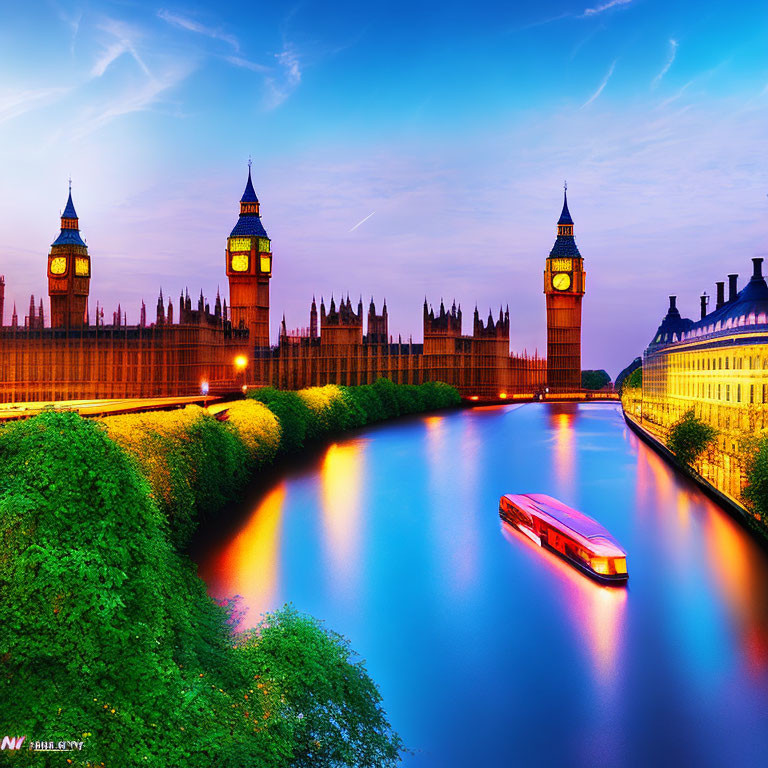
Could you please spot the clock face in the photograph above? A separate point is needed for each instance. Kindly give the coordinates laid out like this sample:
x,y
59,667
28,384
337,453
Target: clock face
x,y
264,244
240,244
561,281
58,265
266,264
82,268
239,262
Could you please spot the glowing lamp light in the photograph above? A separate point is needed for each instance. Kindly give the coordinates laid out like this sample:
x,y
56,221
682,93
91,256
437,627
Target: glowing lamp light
x,y
474,397
241,362
502,395
244,388
204,387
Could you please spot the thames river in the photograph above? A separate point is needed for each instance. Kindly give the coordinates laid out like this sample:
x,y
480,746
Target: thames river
x,y
488,650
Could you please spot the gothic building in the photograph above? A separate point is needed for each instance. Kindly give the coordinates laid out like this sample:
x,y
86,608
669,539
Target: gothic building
x,y
76,355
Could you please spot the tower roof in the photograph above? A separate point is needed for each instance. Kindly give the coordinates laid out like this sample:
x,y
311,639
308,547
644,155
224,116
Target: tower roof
x,y
249,224
565,216
565,245
249,195
70,234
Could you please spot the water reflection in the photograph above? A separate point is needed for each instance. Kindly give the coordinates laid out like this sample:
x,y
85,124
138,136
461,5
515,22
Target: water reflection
x,y
596,611
735,562
341,481
249,566
562,420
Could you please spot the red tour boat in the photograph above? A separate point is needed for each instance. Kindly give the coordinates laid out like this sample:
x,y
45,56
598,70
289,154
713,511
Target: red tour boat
x,y
568,532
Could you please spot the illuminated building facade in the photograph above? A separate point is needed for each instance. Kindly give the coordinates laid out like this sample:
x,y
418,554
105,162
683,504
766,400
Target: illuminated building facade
x,y
717,366
75,356
564,285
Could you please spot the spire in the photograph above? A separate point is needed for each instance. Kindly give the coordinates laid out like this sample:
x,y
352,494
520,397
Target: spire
x,y
565,245
249,195
565,216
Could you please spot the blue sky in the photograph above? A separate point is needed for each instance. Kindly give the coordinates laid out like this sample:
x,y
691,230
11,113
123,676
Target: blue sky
x,y
453,124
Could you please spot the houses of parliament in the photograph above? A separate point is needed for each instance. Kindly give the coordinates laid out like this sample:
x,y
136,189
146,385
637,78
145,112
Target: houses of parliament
x,y
70,351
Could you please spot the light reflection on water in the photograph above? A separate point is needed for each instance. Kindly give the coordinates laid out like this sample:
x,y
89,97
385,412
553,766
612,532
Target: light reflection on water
x,y
491,651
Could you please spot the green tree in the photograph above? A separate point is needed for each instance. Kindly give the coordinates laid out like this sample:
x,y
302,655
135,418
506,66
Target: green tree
x,y
594,379
634,380
689,438
756,492
333,705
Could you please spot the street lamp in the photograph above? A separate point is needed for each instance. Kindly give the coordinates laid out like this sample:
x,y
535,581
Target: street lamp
x,y
241,363
204,391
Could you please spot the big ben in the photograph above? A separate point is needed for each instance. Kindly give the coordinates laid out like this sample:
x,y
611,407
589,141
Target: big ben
x,y
69,272
564,283
249,269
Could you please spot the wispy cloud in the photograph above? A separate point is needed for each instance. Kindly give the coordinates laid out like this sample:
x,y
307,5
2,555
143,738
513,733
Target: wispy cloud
x,y
598,9
18,102
362,221
601,87
201,29
673,46
133,99
239,61
125,38
282,86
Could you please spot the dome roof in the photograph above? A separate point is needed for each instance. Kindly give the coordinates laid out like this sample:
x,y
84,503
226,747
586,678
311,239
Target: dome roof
x,y
749,308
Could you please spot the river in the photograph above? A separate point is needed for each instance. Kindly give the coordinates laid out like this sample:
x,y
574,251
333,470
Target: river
x,y
488,650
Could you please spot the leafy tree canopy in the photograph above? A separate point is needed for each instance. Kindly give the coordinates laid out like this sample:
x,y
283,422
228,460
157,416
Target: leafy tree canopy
x,y
689,438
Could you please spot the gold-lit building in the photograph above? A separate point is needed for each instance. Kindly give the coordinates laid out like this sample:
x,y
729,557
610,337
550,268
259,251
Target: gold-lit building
x,y
718,367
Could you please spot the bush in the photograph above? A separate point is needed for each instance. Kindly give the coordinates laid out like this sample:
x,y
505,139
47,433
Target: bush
x,y
291,412
328,407
194,463
689,438
328,697
258,428
756,491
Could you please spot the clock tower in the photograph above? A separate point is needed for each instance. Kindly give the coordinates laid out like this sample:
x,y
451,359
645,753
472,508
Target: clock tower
x,y
249,268
69,272
564,283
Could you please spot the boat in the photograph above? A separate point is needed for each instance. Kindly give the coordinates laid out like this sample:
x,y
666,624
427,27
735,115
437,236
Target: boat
x,y
569,533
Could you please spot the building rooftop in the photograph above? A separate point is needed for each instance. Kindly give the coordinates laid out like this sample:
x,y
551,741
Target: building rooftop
x,y
747,310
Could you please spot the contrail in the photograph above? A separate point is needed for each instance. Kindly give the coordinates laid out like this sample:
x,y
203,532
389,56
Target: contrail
x,y
362,222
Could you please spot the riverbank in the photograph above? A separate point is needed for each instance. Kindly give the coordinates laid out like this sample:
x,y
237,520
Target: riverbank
x,y
106,632
731,505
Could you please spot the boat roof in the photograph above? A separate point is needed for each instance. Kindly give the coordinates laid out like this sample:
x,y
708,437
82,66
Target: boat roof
x,y
584,527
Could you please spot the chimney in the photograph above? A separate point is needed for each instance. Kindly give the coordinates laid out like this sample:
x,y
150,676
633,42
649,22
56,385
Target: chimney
x,y
704,302
673,303
732,287
720,294
757,267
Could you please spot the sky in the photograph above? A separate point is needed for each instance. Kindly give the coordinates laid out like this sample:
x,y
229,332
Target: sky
x,y
399,150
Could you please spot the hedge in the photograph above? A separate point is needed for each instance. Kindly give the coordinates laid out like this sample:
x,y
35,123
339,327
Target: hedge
x,y
311,414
